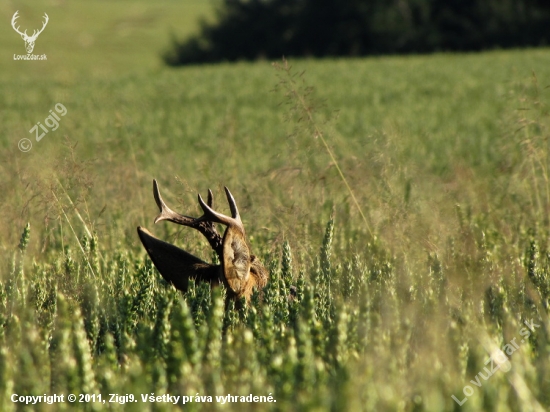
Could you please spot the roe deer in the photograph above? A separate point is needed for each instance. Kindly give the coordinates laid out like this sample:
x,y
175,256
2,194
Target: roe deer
x,y
240,271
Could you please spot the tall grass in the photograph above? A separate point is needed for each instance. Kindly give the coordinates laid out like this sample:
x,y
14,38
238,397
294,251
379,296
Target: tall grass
x,y
362,333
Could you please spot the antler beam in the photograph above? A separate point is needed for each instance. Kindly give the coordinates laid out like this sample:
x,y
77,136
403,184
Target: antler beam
x,y
204,226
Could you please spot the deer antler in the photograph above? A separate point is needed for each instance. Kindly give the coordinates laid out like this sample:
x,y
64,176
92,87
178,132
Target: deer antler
x,y
206,227
213,216
240,271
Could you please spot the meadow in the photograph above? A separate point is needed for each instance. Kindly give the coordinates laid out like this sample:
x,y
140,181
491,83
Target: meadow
x,y
434,284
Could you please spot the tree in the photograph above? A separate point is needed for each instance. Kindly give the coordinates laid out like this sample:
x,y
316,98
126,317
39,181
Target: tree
x,y
249,29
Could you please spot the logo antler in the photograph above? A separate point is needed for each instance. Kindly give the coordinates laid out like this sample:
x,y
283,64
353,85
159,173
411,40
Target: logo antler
x,y
29,40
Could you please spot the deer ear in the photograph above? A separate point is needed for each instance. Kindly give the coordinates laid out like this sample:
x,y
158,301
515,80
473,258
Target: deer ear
x,y
236,259
176,265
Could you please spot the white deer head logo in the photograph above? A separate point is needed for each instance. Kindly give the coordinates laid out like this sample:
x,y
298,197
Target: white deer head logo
x,y
29,40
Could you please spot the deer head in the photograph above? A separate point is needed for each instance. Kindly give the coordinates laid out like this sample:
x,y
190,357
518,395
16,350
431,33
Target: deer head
x,y
240,271
29,40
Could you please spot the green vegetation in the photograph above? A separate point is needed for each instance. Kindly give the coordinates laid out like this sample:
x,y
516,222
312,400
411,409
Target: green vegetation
x,y
447,155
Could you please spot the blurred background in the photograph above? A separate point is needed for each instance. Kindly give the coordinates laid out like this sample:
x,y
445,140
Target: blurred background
x,y
270,29
134,33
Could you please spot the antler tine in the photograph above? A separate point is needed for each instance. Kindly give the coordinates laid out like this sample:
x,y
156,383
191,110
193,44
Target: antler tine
x,y
232,205
211,215
210,198
168,214
204,226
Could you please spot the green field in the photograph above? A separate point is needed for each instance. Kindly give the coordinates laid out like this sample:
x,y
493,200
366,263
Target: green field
x,y
399,310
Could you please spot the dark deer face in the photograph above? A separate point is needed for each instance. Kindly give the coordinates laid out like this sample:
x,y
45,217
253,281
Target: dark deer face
x,y
240,271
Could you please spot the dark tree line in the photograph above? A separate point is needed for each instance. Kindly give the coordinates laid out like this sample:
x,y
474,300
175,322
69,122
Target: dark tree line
x,y
248,29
